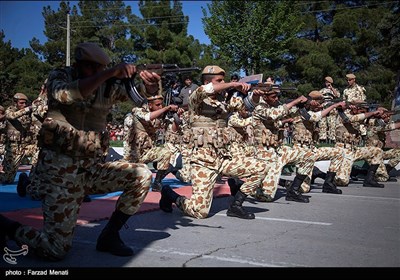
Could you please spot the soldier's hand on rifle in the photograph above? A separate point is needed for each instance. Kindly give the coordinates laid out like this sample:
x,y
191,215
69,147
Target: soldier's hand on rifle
x,y
124,70
180,111
151,80
259,92
300,99
341,104
173,108
243,87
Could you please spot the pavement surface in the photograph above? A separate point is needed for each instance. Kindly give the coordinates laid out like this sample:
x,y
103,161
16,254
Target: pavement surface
x,y
359,228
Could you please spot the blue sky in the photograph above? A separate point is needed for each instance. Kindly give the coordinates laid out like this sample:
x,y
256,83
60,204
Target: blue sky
x,y
23,20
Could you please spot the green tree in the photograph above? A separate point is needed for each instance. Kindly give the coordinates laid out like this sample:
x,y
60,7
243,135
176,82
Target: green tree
x,y
254,34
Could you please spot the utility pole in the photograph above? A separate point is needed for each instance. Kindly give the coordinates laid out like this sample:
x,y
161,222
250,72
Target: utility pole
x,y
68,59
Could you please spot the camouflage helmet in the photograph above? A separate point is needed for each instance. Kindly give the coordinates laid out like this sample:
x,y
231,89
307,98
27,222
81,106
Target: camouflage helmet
x,y
19,96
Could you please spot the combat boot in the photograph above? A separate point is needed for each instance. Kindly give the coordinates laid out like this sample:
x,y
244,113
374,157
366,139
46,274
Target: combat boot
x,y
317,173
8,229
156,186
370,179
388,170
329,185
23,182
293,193
168,196
109,239
234,185
236,209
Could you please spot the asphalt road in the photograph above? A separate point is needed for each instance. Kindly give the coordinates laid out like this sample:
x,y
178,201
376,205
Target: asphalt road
x,y
360,228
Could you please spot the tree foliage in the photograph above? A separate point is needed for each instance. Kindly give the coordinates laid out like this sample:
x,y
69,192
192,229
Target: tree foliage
x,y
300,42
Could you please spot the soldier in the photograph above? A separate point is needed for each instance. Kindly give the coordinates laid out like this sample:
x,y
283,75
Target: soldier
x,y
148,121
74,141
376,132
267,118
327,126
355,92
19,136
348,138
306,137
211,154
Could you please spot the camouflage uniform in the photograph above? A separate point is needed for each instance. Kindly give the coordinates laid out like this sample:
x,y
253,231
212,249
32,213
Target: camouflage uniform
x,y
269,146
327,125
306,136
211,154
142,138
348,137
178,143
74,143
376,137
127,147
356,93
39,111
18,140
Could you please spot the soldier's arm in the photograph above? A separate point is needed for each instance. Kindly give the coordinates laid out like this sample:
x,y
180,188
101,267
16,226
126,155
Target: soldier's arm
x,y
13,115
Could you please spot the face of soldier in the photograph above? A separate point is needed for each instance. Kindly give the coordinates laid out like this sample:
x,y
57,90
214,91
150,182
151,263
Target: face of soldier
x,y
271,99
88,68
351,82
21,104
155,105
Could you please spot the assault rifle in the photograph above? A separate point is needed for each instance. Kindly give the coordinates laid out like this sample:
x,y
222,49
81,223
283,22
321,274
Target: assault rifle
x,y
160,69
270,87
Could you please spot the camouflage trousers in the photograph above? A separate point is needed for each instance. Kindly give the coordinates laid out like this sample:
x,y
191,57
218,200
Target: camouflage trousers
x,y
372,155
206,164
14,154
277,159
61,182
160,154
393,155
327,128
334,154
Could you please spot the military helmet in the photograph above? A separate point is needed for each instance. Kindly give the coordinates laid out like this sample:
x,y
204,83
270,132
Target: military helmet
x,y
19,96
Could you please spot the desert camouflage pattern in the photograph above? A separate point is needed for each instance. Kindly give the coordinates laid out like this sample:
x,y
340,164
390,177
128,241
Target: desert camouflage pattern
x,y
19,136
61,183
211,154
305,136
393,157
348,137
127,147
242,134
333,154
185,147
327,125
143,136
270,148
376,137
356,92
74,142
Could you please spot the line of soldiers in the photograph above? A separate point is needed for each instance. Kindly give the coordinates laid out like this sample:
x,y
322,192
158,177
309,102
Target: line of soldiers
x,y
220,137
238,139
